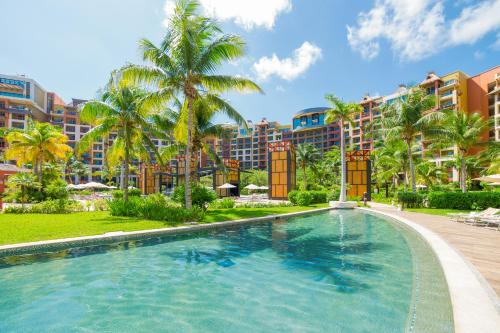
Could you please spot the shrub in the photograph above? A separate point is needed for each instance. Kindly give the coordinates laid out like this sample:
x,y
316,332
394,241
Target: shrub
x,y
154,207
118,194
305,198
60,206
464,201
200,195
101,205
56,190
118,207
319,196
410,199
333,196
223,203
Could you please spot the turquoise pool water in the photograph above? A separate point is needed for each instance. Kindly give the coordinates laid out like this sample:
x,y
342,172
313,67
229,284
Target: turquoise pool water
x,y
332,272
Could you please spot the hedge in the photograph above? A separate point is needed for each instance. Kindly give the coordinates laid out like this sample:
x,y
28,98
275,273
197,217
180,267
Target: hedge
x,y
464,201
305,198
410,199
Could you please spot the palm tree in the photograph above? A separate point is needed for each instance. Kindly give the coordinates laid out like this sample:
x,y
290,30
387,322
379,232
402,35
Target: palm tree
x,y
121,111
341,112
390,160
463,131
76,168
24,182
428,172
490,158
37,144
307,155
409,117
185,64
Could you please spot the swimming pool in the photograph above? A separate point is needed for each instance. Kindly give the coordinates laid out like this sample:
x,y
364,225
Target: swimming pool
x,y
340,271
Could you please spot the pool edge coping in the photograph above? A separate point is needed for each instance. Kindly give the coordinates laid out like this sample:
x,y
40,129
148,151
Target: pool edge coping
x,y
474,303
61,244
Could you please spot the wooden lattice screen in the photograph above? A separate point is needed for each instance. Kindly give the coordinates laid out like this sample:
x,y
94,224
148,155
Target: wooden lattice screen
x,y
149,180
281,169
231,176
181,169
358,168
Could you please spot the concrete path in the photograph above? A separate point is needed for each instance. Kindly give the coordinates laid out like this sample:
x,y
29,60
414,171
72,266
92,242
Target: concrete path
x,y
480,246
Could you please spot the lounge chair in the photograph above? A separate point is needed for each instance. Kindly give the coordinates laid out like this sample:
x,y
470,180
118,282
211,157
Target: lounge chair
x,y
474,216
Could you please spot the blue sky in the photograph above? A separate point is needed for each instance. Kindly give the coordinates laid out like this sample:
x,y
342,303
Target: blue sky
x,y
298,50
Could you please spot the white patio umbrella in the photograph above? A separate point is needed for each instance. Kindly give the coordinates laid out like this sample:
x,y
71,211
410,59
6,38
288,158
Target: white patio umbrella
x,y
74,187
421,186
252,187
490,178
263,188
95,186
226,186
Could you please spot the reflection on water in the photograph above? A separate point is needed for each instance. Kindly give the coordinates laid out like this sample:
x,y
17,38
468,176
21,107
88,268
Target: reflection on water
x,y
331,272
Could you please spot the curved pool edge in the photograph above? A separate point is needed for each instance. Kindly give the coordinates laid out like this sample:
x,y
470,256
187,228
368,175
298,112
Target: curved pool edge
x,y
60,244
475,305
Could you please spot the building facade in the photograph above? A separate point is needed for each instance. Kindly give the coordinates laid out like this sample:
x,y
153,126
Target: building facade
x,y
22,98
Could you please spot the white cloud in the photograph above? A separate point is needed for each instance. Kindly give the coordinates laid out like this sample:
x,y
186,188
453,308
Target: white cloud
x,y
474,22
416,29
288,68
246,13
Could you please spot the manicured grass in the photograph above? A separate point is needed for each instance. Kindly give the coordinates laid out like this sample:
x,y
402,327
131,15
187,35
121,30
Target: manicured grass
x,y
217,215
436,211
20,228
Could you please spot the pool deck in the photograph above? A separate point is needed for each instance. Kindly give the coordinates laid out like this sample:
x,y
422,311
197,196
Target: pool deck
x,y
480,246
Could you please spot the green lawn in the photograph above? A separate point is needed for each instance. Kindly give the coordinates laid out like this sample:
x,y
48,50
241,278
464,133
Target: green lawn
x,y
435,211
19,228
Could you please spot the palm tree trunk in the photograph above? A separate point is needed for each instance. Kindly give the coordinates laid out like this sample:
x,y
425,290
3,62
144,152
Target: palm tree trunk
x,y
122,175
412,168
187,174
342,197
304,180
463,174
126,168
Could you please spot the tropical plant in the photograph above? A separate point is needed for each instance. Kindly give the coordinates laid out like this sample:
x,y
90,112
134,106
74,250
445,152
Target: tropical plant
x,y
410,116
490,158
463,131
307,155
77,169
390,160
343,113
37,144
429,173
185,64
21,184
121,111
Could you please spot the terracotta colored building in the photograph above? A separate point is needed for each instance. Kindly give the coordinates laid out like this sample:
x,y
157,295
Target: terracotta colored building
x,y
484,97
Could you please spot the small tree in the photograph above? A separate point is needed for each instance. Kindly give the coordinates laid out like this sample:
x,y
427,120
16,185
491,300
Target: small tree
x,y
21,184
307,155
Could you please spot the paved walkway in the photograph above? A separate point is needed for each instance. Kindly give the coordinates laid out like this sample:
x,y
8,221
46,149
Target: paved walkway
x,y
479,246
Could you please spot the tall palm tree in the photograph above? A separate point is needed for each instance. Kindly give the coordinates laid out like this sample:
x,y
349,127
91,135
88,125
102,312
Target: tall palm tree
x,y
307,155
463,131
409,117
343,113
37,144
185,64
122,111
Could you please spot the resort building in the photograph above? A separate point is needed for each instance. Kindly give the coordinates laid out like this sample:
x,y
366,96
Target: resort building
x,y
484,97
22,98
